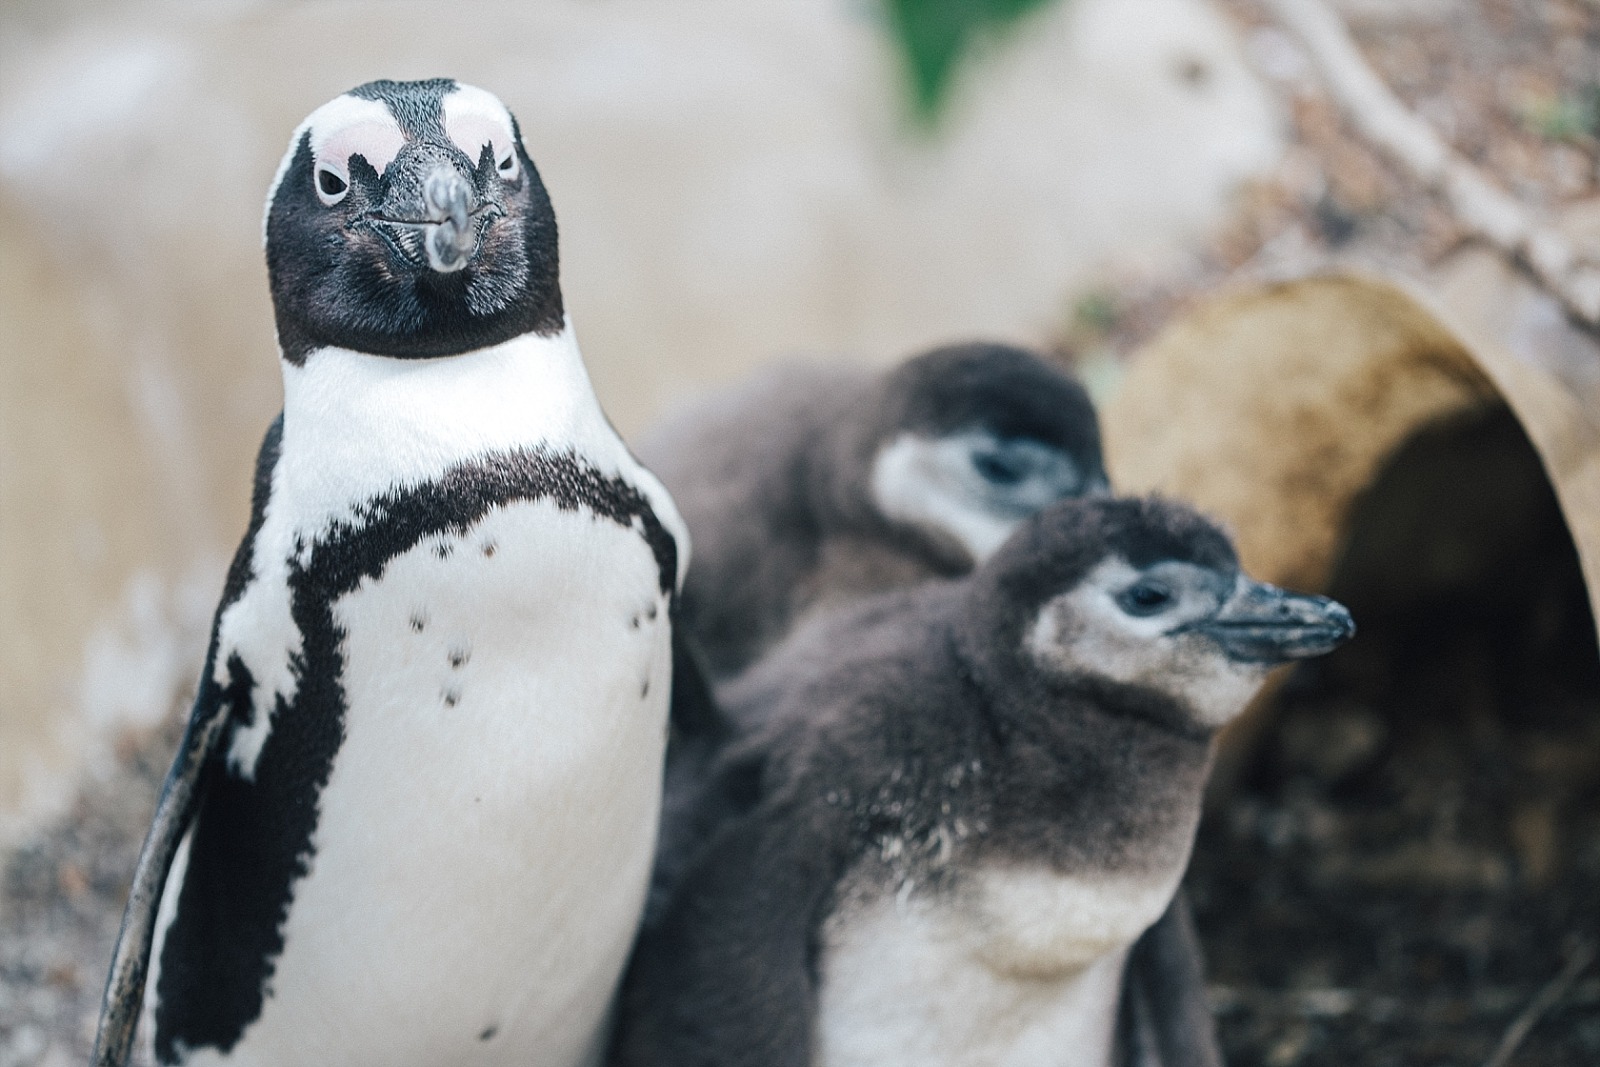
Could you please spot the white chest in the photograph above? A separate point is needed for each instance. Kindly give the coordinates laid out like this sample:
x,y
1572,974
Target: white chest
x,y
1018,969
360,428
485,835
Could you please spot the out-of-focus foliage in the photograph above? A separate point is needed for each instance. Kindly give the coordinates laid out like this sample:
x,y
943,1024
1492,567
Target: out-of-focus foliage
x,y
934,36
1566,117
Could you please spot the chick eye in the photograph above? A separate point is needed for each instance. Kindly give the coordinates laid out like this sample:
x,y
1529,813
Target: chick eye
x,y
331,185
1145,598
999,469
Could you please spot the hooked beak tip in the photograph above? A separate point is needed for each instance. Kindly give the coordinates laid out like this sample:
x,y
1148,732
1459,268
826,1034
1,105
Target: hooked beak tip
x,y
1268,625
449,248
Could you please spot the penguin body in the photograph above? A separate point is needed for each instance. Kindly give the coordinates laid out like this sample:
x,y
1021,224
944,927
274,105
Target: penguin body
x,y
413,817
808,487
953,812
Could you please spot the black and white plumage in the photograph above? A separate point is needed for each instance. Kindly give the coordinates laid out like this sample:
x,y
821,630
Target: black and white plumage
x,y
955,808
412,819
808,487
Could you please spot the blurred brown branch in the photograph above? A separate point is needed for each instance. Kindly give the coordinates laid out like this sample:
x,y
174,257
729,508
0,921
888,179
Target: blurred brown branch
x,y
1581,956
1481,206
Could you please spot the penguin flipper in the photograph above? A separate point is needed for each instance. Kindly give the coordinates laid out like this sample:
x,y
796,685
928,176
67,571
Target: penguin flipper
x,y
696,718
180,799
180,796
1166,1019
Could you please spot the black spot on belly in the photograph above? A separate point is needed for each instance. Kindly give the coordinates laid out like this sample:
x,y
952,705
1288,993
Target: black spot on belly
x,y
649,613
644,690
444,549
488,549
459,657
251,840
452,697
488,1032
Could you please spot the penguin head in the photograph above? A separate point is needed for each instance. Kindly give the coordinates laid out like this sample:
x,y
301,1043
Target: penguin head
x,y
407,220
1146,595
969,440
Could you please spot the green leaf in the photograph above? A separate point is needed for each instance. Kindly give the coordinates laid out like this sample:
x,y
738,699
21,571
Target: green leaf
x,y
934,36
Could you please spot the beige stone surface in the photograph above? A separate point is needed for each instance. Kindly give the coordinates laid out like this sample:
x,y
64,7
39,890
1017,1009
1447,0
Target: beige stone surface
x,y
1273,408
92,632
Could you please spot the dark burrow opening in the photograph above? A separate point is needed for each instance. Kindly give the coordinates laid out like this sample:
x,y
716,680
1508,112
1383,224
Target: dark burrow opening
x,y
1411,859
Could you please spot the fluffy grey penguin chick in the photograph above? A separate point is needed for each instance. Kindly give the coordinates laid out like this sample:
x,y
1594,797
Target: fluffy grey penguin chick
x,y
412,818
809,486
959,806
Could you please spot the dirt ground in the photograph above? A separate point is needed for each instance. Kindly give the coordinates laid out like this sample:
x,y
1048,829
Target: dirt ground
x,y
61,898
1409,870
1514,85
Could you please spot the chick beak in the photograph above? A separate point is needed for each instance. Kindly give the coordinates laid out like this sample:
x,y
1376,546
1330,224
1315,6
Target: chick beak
x,y
1261,623
450,236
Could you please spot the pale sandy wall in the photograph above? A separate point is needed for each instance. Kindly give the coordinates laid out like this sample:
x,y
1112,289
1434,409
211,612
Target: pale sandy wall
x,y
732,182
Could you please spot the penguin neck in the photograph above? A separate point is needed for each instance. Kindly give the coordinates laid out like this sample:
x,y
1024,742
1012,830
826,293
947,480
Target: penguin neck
x,y
356,425
1109,770
839,492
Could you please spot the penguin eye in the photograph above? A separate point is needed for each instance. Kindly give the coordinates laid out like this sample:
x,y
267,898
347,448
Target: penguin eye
x,y
506,165
1000,468
332,186
1145,598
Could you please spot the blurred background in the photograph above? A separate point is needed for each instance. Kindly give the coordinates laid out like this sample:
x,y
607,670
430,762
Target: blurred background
x,y
850,180
734,182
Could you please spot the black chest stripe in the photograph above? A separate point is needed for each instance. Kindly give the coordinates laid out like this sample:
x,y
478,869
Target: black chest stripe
x,y
253,839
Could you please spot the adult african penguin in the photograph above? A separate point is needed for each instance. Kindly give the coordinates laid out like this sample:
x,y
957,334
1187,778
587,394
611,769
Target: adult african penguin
x,y
953,810
412,818
807,486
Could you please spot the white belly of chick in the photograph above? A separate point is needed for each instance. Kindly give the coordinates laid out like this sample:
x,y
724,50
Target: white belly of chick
x,y
485,835
1016,969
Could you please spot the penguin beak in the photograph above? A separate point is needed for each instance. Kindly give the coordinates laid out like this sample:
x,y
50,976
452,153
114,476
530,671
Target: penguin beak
x,y
429,215
450,238
1261,623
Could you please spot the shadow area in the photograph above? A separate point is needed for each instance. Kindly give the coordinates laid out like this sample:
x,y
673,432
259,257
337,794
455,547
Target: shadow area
x,y
1410,863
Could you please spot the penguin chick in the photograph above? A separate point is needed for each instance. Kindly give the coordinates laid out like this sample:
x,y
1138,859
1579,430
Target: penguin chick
x,y
959,805
808,486
412,818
